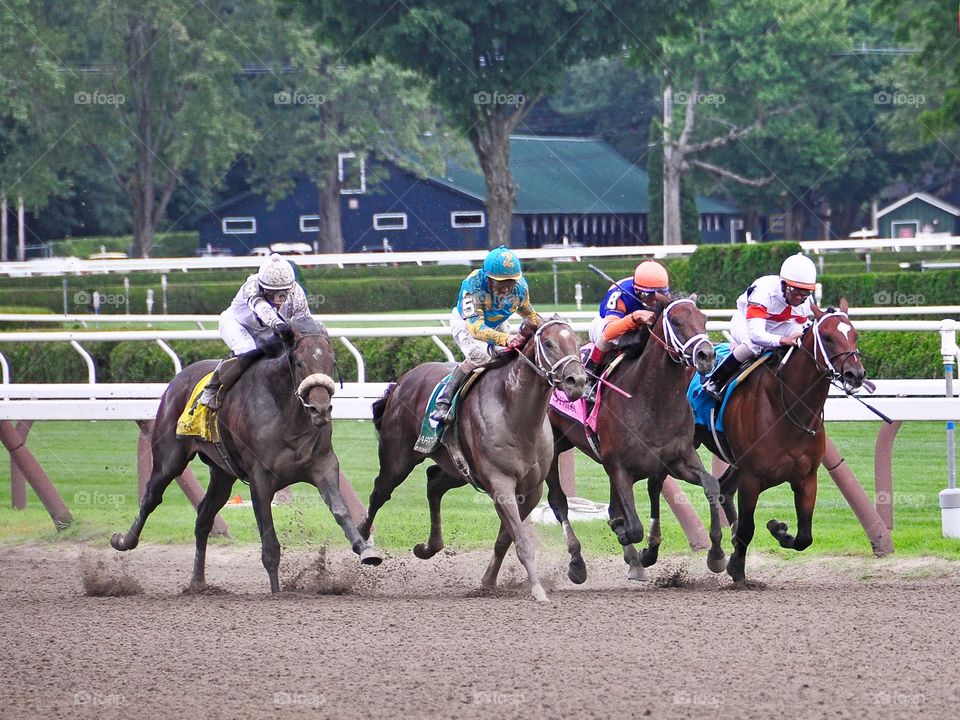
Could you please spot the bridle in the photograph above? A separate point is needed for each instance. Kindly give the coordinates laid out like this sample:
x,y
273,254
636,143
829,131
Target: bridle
x,y
551,372
680,351
311,381
823,362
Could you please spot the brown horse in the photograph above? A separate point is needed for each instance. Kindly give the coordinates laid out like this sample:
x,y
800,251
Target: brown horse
x,y
648,435
503,433
275,426
773,426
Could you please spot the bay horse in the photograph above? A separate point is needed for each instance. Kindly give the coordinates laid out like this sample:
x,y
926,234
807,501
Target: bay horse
x,y
773,426
648,435
503,433
275,425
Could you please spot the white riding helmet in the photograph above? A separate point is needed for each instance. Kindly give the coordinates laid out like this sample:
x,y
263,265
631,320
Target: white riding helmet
x,y
799,271
276,273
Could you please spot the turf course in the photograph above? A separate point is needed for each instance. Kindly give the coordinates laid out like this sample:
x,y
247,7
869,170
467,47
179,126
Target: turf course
x,y
93,466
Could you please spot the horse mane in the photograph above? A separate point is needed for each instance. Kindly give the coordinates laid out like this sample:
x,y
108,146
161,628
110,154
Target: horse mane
x,y
308,325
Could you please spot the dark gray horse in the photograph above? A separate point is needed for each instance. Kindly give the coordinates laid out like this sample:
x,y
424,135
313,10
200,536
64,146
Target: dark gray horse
x,y
648,435
275,425
503,431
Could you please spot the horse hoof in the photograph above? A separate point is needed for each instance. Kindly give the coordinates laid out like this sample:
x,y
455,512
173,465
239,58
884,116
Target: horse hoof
x,y
637,572
777,528
539,595
422,551
717,564
116,541
649,556
577,571
370,556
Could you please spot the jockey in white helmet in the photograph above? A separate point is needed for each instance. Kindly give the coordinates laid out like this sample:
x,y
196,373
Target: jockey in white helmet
x,y
771,313
256,320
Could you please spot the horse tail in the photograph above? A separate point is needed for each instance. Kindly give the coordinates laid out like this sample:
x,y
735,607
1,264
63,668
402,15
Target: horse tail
x,y
380,405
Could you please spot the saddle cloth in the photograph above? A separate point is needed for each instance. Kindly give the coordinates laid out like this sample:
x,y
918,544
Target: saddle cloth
x,y
431,432
198,420
705,409
577,409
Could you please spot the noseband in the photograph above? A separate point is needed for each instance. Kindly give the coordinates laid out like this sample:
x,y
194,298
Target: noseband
x,y
676,348
311,381
820,352
551,372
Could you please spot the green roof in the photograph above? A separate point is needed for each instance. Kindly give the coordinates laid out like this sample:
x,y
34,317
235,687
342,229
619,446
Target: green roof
x,y
570,176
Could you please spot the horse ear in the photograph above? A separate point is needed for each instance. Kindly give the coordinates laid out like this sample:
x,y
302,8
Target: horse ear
x,y
694,298
844,305
817,312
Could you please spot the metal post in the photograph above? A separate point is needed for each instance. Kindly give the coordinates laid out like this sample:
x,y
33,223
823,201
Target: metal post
x,y
66,310
149,301
163,287
578,295
126,293
556,294
950,498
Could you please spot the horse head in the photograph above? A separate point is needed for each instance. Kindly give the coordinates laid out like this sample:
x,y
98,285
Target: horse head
x,y
311,362
554,351
832,341
684,330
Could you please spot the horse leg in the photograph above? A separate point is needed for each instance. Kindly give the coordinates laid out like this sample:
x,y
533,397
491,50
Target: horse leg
x,y
327,480
218,492
654,488
747,502
169,461
804,500
261,494
577,569
393,471
500,547
623,510
438,482
729,482
692,470
508,507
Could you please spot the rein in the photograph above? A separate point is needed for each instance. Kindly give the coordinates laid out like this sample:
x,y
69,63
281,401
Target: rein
x,y
552,373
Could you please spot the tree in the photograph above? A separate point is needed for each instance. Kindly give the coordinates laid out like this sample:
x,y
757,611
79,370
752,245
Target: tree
x,y
489,65
152,90
744,67
318,108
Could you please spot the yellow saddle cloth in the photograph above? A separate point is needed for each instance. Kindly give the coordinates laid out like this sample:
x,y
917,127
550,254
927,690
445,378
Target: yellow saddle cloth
x,y
198,420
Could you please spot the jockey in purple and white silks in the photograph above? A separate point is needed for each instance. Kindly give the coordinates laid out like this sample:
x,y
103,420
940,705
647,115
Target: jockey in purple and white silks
x,y
257,319
488,297
771,313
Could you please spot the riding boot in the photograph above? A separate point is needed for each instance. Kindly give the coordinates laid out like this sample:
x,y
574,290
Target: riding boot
x,y
720,375
593,369
225,375
442,411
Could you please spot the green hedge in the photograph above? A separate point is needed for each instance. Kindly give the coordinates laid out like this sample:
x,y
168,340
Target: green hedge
x,y
175,244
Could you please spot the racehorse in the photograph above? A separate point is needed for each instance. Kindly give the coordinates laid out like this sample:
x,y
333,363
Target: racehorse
x,y
773,426
503,433
648,435
275,429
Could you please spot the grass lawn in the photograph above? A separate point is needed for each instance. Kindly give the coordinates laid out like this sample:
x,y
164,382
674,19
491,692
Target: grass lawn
x,y
93,465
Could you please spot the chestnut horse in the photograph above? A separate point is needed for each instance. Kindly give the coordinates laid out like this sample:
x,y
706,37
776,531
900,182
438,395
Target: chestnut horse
x,y
503,433
648,435
275,426
773,426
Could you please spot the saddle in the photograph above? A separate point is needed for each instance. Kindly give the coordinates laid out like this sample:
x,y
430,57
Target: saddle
x,y
198,420
431,432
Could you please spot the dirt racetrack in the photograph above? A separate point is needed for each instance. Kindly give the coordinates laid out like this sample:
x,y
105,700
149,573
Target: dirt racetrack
x,y
834,637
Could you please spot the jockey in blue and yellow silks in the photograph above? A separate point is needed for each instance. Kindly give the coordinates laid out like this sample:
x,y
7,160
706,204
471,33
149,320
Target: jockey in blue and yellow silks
x,y
488,297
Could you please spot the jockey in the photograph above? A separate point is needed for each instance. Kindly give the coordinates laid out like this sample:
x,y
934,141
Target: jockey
x,y
488,297
624,308
256,322
770,314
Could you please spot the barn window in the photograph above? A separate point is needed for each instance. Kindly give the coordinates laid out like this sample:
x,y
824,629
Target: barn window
x,y
238,225
390,221
352,174
309,223
467,219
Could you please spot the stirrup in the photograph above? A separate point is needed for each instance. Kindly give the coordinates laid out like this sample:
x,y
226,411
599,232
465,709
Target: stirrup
x,y
208,398
712,390
441,414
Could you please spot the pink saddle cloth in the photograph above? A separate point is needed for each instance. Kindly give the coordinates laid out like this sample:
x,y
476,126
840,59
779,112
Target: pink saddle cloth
x,y
577,409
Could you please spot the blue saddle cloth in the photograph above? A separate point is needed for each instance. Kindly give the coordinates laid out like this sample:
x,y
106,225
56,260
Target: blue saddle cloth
x,y
704,406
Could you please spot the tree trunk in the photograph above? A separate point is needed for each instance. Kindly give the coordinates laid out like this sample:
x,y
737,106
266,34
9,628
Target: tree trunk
x,y
330,238
491,141
672,162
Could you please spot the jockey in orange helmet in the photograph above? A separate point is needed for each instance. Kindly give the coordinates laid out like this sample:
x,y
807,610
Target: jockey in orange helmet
x,y
626,306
